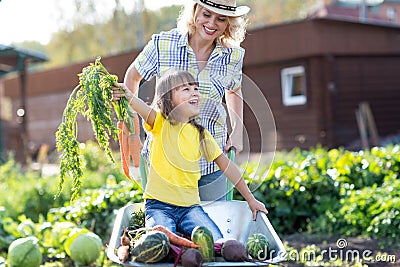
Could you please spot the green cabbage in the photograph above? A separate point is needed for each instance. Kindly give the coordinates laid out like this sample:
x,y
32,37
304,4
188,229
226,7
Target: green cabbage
x,y
83,247
25,252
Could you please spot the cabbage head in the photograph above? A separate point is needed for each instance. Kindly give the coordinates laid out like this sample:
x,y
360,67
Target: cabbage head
x,y
25,252
83,247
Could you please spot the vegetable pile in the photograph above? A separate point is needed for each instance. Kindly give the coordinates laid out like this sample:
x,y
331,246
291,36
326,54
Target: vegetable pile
x,y
156,244
151,244
92,99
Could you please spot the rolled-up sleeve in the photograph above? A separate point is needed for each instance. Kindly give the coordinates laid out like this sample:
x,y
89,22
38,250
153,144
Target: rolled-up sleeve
x,y
146,62
237,75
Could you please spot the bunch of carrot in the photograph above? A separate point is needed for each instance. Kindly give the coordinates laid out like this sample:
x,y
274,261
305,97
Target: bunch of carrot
x,y
128,127
92,98
129,143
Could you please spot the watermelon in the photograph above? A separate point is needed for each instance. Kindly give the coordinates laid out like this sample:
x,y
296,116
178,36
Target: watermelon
x,y
257,246
150,247
203,237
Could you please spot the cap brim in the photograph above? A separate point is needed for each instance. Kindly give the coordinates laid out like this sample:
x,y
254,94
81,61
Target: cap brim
x,y
240,10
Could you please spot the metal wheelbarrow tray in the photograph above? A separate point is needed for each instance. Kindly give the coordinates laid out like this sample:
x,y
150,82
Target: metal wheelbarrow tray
x,y
232,217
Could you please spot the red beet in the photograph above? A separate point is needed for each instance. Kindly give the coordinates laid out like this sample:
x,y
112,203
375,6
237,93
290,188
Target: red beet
x,y
233,250
192,258
217,248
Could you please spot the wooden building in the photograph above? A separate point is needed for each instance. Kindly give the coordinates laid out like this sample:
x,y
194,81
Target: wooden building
x,y
333,66
47,95
314,73
378,11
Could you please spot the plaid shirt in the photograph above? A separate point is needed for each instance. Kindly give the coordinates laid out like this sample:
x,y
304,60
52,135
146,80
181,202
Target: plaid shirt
x,y
223,71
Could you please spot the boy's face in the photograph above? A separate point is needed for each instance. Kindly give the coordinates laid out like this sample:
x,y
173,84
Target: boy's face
x,y
186,100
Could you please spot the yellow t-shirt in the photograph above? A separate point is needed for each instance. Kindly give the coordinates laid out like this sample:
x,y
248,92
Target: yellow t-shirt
x,y
174,162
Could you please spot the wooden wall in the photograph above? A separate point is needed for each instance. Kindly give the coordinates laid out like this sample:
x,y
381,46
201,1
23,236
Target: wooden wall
x,y
296,126
374,79
47,95
335,88
336,54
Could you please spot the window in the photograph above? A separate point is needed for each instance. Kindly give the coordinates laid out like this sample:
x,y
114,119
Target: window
x,y
5,109
293,86
391,14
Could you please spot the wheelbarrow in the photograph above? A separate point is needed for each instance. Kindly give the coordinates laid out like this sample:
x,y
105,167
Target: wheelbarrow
x,y
233,217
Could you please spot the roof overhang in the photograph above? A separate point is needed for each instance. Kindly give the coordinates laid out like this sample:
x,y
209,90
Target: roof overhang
x,y
14,59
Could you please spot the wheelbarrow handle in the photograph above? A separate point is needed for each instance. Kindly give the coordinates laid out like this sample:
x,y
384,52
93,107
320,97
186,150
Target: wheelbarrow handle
x,y
232,153
229,185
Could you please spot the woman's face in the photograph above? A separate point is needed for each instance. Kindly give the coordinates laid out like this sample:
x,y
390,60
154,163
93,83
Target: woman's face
x,y
210,25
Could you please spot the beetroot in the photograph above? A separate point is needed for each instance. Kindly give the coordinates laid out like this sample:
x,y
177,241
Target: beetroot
x,y
192,258
175,253
217,248
233,250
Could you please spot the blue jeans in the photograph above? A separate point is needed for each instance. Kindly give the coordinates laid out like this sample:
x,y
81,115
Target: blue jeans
x,y
179,219
212,186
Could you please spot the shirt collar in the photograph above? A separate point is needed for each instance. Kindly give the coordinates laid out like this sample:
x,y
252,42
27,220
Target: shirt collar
x,y
219,48
183,40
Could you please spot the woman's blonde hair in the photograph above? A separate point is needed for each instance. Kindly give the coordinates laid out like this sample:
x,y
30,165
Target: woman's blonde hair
x,y
233,36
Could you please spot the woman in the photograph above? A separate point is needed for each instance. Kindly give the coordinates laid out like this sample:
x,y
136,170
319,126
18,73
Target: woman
x,y
206,43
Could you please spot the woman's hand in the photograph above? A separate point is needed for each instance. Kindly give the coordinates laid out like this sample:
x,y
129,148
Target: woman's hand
x,y
257,206
238,145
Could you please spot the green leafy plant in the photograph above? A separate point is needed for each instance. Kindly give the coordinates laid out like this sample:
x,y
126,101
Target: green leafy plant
x,y
35,193
332,191
317,191
96,208
137,219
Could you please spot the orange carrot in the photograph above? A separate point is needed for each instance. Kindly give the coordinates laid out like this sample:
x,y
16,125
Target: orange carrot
x,y
124,146
134,142
134,148
123,253
136,123
174,238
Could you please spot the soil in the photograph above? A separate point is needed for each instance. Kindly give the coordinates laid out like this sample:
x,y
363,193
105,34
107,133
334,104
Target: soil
x,y
375,253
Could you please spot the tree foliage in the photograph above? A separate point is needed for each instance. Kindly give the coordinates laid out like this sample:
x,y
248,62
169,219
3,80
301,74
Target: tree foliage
x,y
89,33
267,12
120,33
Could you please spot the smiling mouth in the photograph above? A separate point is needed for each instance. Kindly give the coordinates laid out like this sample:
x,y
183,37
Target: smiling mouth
x,y
209,31
194,102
